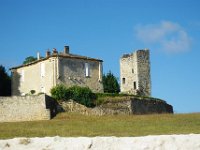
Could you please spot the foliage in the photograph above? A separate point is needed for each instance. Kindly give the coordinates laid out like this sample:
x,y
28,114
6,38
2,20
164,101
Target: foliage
x,y
60,92
5,82
82,95
29,59
110,83
32,92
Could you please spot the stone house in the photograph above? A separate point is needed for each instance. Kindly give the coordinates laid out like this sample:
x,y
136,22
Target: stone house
x,y
57,68
135,73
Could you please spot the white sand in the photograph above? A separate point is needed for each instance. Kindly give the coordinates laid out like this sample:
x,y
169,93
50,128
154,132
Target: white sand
x,y
162,142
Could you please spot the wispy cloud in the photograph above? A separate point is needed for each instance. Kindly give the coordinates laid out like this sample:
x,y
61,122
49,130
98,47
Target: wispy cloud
x,y
168,36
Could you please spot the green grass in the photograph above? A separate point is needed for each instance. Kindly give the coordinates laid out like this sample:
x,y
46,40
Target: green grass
x,y
115,97
74,125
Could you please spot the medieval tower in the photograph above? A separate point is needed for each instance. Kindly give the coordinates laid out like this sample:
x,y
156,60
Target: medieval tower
x,y
135,73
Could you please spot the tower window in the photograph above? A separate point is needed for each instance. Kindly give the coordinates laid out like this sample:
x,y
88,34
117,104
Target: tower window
x,y
132,70
134,85
123,80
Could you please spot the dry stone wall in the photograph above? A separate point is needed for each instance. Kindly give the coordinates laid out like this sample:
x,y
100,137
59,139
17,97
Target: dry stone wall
x,y
146,106
26,108
127,105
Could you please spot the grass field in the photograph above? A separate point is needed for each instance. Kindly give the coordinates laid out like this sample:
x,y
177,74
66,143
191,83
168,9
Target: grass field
x,y
73,125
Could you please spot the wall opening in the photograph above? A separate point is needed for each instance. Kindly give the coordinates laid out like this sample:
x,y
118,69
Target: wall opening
x,y
123,80
134,85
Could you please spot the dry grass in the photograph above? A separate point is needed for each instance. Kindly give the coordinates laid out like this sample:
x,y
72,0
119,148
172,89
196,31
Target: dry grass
x,y
73,125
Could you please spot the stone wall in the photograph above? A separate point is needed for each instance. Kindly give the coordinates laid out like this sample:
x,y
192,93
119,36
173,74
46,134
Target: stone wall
x,y
26,108
135,73
127,105
144,76
146,106
135,106
72,72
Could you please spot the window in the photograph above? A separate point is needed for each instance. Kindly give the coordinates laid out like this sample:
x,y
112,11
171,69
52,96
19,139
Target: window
x,y
87,69
123,80
132,70
134,85
42,69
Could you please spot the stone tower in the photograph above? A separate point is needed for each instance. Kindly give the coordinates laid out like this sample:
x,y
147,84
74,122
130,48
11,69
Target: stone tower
x,y
135,73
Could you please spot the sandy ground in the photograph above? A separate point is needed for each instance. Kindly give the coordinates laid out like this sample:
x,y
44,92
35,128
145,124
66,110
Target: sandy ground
x,y
162,142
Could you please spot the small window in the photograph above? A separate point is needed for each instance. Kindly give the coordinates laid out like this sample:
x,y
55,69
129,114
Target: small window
x,y
87,69
134,85
123,80
132,70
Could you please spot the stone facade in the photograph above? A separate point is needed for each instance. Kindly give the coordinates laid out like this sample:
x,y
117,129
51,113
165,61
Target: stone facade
x,y
57,68
135,73
27,108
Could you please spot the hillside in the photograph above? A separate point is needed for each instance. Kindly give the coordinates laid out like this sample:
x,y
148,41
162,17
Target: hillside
x,y
74,125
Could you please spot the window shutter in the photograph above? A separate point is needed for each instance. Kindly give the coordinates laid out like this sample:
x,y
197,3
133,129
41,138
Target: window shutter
x,y
22,76
87,69
42,70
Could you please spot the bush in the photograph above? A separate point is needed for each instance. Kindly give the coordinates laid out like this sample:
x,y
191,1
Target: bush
x,y
60,92
82,95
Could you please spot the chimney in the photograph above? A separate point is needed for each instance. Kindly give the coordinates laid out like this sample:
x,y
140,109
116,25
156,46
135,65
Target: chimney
x,y
66,49
48,53
55,51
38,56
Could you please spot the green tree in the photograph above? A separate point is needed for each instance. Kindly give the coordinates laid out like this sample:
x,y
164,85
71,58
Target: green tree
x,y
5,82
110,83
29,59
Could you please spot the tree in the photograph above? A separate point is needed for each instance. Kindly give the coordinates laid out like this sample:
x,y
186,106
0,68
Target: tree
x,y
29,59
110,83
5,82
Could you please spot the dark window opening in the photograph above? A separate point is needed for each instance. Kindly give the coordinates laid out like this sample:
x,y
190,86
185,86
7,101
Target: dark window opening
x,y
132,70
123,80
134,85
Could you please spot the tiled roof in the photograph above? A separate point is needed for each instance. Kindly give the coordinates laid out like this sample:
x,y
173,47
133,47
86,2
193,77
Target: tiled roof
x,y
59,55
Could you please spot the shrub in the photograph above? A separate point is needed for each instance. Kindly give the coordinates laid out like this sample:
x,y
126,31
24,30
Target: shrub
x,y
82,95
60,92
32,92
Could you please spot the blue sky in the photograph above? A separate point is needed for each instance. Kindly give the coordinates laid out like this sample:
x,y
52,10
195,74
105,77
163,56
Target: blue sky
x,y
106,29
